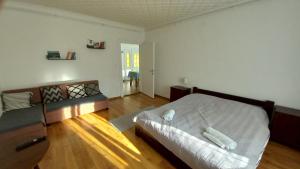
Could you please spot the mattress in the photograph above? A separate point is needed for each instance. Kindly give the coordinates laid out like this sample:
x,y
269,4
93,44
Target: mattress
x,y
244,123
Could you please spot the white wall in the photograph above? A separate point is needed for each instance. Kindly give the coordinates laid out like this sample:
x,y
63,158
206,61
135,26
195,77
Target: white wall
x,y
251,50
27,32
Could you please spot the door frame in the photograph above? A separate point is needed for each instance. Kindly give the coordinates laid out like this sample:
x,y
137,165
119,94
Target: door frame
x,y
120,61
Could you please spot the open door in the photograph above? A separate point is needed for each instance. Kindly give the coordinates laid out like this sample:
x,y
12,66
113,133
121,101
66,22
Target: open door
x,y
147,65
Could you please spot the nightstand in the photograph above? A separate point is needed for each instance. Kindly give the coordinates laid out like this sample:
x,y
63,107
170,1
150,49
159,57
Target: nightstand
x,y
285,126
178,92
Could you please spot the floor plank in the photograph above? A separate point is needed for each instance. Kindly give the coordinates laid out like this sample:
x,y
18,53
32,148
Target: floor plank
x,y
128,90
90,142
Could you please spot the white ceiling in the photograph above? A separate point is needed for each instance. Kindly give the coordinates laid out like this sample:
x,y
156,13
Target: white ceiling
x,y
143,13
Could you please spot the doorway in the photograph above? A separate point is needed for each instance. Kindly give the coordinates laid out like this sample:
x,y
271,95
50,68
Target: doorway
x,y
130,68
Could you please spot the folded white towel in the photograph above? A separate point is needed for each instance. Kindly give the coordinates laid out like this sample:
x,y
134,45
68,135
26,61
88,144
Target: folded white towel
x,y
168,115
227,141
214,139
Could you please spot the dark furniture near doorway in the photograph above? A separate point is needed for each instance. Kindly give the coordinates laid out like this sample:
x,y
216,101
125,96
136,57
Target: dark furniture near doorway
x,y
178,92
286,126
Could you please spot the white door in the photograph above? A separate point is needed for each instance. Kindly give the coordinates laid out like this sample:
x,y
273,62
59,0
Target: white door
x,y
147,64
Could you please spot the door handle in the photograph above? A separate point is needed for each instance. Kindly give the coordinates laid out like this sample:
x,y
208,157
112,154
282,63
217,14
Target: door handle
x,y
152,71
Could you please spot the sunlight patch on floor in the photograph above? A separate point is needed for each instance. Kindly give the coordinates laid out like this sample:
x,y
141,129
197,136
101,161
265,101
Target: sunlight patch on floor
x,y
97,145
107,129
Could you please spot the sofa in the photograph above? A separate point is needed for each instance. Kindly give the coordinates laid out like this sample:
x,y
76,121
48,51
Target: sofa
x,y
68,108
23,133
19,118
47,113
22,128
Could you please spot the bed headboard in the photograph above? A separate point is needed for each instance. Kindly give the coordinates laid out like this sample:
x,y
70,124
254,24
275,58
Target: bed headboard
x,y
267,105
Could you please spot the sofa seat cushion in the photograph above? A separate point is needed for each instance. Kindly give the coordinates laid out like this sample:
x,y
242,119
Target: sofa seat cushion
x,y
19,118
71,102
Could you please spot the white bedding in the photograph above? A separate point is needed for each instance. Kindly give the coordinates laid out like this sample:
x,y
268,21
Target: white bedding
x,y
246,124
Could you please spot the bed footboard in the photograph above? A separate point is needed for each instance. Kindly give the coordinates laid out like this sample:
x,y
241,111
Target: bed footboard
x,y
173,159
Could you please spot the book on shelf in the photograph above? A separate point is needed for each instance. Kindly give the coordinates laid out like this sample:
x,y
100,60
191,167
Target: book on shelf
x,y
69,55
73,56
53,55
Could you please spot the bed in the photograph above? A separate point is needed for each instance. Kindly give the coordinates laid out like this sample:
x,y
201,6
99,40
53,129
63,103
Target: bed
x,y
181,140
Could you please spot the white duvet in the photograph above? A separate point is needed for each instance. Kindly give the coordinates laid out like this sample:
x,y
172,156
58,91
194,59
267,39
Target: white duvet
x,y
246,124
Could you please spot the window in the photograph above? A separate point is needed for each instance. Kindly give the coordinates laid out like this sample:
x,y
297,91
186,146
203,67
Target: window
x,y
127,60
136,62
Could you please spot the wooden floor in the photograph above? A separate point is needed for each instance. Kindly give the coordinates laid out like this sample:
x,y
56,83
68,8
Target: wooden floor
x,y
90,142
129,90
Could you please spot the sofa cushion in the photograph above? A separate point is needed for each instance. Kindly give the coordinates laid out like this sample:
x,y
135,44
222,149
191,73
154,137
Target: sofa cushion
x,y
22,117
76,91
71,102
92,89
36,97
51,94
13,101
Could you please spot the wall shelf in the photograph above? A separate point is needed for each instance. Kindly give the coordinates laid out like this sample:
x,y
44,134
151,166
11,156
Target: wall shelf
x,y
61,59
91,47
55,55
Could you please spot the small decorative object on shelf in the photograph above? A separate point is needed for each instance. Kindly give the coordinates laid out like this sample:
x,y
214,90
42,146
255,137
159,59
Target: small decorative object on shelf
x,y
55,55
90,43
95,45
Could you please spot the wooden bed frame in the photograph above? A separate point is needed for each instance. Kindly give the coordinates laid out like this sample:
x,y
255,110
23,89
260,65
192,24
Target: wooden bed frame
x,y
268,106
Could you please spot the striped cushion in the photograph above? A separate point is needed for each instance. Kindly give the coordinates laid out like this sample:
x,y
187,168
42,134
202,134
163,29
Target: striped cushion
x,y
13,101
52,94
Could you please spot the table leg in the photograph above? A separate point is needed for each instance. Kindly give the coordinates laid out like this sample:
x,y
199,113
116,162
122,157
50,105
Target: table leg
x,y
131,82
136,83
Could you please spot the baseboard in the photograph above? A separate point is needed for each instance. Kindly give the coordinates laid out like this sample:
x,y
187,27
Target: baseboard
x,y
119,97
132,94
156,95
114,98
